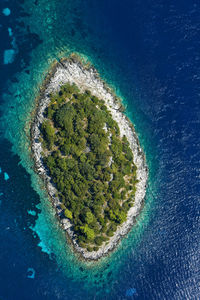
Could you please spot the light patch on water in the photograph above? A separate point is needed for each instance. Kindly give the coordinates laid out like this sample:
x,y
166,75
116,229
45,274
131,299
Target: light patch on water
x,y
10,32
13,39
6,176
44,247
44,233
9,56
0,170
130,292
6,11
31,212
41,244
31,273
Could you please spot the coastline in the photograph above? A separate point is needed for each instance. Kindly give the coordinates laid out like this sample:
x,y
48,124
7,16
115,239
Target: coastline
x,y
86,77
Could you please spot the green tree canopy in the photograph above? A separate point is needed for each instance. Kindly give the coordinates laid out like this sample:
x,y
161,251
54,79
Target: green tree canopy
x,y
89,163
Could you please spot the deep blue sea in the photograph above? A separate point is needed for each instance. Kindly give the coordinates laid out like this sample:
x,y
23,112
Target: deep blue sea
x,y
149,53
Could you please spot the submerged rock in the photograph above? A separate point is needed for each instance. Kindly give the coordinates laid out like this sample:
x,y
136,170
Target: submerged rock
x,y
31,273
9,56
6,11
6,176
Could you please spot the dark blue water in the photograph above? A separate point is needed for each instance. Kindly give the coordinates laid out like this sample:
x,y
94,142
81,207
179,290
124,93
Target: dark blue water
x,y
149,52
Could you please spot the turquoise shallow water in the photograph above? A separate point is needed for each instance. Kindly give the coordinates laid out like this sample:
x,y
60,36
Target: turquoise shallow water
x,y
157,260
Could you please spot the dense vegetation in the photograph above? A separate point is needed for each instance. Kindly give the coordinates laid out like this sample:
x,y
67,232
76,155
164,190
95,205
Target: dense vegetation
x,y
91,166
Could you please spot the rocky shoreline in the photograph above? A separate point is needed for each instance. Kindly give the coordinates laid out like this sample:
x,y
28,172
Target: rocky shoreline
x,y
72,70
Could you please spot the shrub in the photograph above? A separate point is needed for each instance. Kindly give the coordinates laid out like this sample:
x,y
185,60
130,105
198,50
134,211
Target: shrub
x,y
95,248
98,240
48,133
68,214
82,244
109,233
89,249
